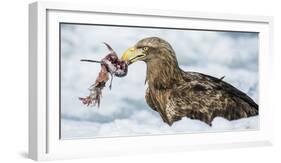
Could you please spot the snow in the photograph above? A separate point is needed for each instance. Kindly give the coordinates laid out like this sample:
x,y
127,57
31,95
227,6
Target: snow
x,y
133,127
123,110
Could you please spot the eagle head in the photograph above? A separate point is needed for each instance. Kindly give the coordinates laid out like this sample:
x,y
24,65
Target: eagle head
x,y
150,50
162,66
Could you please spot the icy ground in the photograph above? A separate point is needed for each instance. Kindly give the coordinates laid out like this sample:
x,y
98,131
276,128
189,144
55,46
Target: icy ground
x,y
125,127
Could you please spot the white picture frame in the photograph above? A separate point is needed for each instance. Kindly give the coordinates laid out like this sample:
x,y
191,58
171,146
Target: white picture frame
x,y
44,139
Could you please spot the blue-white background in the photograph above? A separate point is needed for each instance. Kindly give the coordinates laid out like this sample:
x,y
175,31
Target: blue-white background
x,y
123,110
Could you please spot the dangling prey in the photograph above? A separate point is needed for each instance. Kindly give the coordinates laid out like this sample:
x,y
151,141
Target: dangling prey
x,y
110,64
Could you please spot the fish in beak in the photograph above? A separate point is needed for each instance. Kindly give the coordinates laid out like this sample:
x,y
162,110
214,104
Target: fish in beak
x,y
132,55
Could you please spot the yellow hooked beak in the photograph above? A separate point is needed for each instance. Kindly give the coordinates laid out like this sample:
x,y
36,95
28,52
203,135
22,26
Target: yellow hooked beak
x,y
132,55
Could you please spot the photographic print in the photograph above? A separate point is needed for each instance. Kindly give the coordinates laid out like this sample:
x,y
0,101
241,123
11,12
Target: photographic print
x,y
136,81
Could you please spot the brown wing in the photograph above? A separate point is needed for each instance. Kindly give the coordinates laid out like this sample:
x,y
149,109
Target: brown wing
x,y
204,97
219,84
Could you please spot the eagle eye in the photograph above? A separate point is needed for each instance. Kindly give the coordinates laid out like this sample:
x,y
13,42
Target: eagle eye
x,y
145,48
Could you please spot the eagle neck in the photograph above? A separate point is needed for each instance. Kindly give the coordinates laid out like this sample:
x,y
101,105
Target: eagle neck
x,y
163,74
